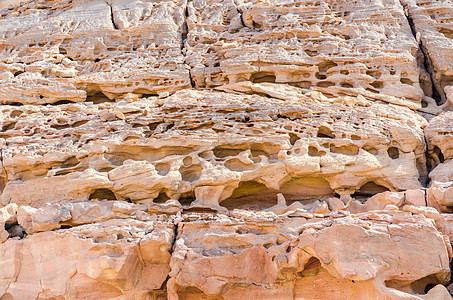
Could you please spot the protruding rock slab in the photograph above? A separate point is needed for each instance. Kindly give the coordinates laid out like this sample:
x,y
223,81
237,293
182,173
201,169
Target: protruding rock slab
x,y
380,255
126,258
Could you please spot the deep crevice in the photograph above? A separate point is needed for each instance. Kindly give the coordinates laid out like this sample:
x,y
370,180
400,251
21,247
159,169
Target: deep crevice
x,y
427,64
185,29
111,16
4,182
192,83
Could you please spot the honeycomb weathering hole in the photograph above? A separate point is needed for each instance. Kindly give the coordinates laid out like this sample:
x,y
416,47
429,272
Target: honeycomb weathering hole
x,y
256,196
102,194
325,132
369,189
393,152
162,198
251,195
263,77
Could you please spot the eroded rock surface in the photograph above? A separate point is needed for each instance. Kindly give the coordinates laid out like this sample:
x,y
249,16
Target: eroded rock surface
x,y
226,149
294,259
212,146
98,261
432,21
328,45
53,51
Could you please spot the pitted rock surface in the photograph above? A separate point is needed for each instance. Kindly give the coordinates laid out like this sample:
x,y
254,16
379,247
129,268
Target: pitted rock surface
x,y
226,149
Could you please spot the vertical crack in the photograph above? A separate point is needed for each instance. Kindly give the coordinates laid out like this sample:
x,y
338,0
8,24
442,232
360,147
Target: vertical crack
x,y
111,16
426,64
3,184
184,34
192,83
425,180
185,29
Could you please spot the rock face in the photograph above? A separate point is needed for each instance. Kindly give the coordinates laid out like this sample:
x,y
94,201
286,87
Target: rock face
x,y
226,149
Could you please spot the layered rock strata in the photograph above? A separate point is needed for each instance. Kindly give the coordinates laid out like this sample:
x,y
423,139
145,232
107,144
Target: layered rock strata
x,y
226,149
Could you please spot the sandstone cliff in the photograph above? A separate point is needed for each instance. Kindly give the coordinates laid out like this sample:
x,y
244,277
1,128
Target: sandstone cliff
x,y
226,149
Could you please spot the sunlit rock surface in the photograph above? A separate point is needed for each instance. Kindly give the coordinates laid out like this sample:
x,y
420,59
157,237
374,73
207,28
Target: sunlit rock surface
x,y
232,149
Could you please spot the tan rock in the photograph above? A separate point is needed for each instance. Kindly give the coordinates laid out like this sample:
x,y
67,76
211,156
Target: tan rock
x,y
53,216
74,186
226,149
440,195
164,163
262,259
440,146
415,197
101,261
432,21
80,52
428,212
223,50
7,218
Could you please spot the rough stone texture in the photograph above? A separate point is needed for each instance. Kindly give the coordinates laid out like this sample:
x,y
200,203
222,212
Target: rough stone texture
x,y
439,135
287,259
235,142
226,149
126,258
331,46
433,23
54,51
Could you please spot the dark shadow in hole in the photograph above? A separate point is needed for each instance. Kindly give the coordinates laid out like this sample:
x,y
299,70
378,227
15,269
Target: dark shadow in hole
x,y
251,195
263,77
293,138
187,199
102,194
62,102
438,153
15,230
393,152
369,189
98,98
162,198
256,196
435,157
15,104
420,286
325,132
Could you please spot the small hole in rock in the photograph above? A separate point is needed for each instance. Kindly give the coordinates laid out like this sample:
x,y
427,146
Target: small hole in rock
x,y
262,77
438,153
192,173
324,132
346,150
63,102
393,152
369,189
15,230
428,287
102,194
293,138
162,198
313,151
